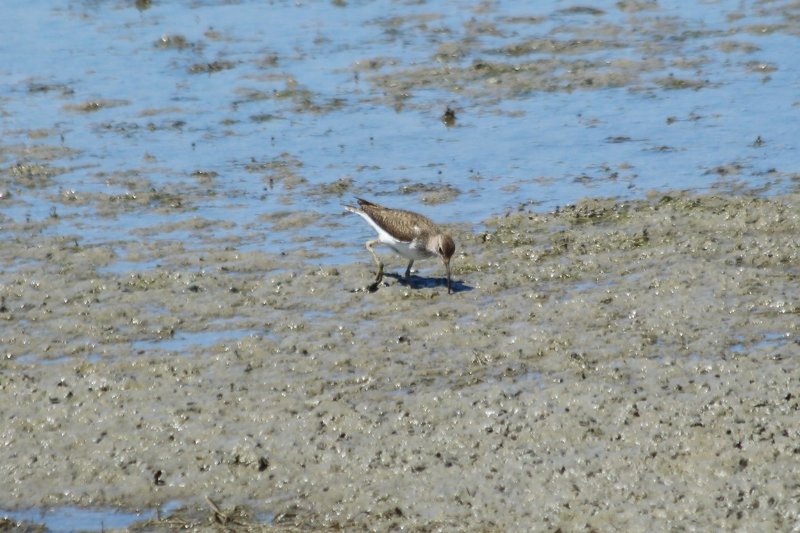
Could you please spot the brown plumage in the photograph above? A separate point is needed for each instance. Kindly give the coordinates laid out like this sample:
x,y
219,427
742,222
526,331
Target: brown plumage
x,y
409,234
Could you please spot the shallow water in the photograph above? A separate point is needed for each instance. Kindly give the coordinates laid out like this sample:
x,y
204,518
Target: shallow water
x,y
227,111
67,519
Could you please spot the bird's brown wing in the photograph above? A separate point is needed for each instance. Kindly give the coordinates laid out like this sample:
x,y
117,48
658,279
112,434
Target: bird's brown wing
x,y
399,223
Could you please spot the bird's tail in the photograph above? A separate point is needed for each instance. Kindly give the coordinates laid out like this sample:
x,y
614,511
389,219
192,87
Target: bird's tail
x,y
361,203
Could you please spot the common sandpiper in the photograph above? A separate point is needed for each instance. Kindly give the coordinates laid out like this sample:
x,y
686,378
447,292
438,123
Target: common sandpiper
x,y
409,234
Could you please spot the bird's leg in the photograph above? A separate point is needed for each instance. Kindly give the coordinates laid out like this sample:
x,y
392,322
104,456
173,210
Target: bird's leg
x,y
408,270
370,244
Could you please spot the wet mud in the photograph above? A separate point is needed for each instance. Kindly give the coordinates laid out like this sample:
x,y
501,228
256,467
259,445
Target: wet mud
x,y
189,335
598,367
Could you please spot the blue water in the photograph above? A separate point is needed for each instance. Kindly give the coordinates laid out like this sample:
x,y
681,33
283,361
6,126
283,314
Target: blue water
x,y
182,339
547,148
67,519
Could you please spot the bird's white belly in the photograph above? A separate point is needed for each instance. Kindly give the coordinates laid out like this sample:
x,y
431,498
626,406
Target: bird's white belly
x,y
407,250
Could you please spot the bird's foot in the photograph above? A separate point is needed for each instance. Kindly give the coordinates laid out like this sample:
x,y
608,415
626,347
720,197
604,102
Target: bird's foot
x,y
372,287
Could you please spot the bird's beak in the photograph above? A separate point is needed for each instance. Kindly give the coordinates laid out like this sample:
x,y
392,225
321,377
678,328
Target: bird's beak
x,y
449,283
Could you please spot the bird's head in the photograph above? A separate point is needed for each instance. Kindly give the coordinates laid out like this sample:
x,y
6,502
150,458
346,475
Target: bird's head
x,y
445,248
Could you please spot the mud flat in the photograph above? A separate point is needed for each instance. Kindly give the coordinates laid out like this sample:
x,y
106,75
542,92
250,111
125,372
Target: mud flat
x,y
604,367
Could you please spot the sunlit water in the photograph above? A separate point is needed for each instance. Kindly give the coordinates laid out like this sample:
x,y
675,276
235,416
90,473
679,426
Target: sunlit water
x,y
160,122
66,519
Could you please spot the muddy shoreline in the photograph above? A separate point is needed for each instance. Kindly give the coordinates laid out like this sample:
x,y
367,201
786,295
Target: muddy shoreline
x,y
598,367
184,325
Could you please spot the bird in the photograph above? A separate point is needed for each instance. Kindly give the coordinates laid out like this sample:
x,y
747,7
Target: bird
x,y
410,234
